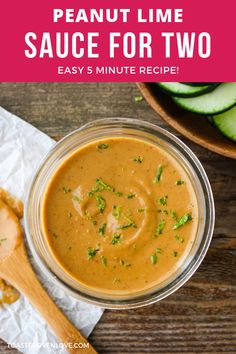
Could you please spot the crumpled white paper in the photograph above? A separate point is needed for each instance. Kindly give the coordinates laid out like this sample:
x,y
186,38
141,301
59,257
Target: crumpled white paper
x,y
21,149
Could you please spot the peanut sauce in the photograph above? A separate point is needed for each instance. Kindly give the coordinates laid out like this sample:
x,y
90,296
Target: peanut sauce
x,y
120,215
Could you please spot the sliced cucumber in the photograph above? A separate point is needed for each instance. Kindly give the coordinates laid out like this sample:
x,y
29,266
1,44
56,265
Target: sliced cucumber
x,y
182,90
215,102
226,123
200,83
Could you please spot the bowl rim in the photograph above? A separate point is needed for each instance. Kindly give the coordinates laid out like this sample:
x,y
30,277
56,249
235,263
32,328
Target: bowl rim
x,y
145,89
134,303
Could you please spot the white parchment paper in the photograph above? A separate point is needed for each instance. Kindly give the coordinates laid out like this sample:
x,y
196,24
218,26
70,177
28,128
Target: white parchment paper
x,y
21,149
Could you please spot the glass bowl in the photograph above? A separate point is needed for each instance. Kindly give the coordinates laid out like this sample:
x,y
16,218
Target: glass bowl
x,y
120,127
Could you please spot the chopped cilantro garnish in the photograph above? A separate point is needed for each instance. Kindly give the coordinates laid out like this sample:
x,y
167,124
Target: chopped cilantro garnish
x,y
138,159
92,252
128,217
160,228
179,238
117,212
102,229
125,263
126,226
162,200
175,254
104,261
87,215
166,212
93,191
100,186
141,210
159,172
103,185
180,222
138,98
95,222
153,258
76,198
102,146
116,238
118,194
174,215
130,196
101,203
179,182
66,190
131,223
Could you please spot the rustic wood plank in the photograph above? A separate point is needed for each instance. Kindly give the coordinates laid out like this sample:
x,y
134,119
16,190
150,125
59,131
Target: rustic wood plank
x,y
201,316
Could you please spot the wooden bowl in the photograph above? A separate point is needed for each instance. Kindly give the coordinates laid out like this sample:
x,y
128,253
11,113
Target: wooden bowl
x,y
195,127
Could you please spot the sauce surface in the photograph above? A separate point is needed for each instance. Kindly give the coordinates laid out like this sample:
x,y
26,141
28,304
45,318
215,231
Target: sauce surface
x,y
120,215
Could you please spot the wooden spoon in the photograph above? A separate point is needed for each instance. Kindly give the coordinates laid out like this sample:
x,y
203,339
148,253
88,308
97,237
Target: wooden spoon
x,y
16,268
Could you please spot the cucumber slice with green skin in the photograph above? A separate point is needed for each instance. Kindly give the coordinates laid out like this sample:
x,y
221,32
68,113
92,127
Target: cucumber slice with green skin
x,y
182,90
215,102
226,123
199,83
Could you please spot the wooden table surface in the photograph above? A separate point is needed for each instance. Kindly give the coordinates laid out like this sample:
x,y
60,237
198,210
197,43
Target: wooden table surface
x,y
201,316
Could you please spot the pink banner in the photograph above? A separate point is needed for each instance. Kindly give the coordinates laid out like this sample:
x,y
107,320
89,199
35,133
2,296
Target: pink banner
x,y
163,40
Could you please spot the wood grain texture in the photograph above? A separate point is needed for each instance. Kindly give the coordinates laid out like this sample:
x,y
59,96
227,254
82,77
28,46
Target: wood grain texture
x,y
24,279
201,316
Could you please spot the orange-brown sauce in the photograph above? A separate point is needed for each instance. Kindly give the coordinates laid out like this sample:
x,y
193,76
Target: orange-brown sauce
x,y
14,203
9,294
120,215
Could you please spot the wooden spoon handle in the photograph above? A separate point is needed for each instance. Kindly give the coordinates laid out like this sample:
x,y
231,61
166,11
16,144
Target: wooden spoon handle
x,y
17,270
